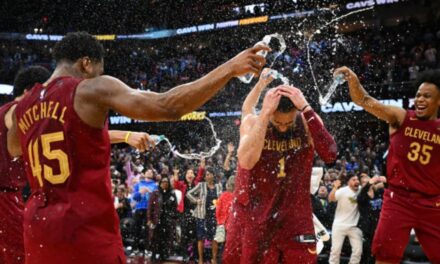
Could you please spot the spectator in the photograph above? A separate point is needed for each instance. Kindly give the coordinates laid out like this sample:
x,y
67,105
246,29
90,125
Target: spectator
x,y
162,217
222,211
205,195
141,194
346,220
370,203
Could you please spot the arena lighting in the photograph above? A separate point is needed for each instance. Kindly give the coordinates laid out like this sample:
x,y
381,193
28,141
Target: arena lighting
x,y
6,89
105,37
253,20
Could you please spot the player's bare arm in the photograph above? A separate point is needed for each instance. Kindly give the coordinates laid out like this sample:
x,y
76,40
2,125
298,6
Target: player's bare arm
x,y
252,98
97,95
253,130
391,114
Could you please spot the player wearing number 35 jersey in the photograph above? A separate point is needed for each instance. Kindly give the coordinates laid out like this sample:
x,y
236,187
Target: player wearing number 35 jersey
x,y
272,212
412,200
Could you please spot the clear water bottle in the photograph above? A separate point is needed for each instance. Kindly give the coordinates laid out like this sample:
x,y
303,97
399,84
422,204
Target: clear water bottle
x,y
337,80
157,138
247,78
275,53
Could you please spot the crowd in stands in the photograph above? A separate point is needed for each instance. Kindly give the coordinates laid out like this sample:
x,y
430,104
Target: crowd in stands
x,y
384,59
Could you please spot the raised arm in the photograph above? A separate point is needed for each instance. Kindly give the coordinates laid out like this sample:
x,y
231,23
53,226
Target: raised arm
x,y
227,162
252,98
391,114
332,195
319,137
253,130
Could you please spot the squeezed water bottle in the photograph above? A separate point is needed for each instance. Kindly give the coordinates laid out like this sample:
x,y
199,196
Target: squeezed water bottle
x,y
337,80
275,53
157,138
247,78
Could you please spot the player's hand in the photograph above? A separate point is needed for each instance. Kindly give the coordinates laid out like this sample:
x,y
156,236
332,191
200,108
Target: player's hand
x,y
295,95
337,184
349,75
265,78
140,140
247,61
271,101
231,148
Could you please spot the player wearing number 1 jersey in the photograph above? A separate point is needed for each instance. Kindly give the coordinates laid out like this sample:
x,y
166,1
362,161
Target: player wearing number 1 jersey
x,y
272,212
412,200
60,127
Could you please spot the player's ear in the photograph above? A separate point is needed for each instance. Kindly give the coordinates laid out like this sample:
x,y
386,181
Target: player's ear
x,y
86,65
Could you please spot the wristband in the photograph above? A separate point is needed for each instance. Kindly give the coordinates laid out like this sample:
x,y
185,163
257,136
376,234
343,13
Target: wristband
x,y
304,108
127,136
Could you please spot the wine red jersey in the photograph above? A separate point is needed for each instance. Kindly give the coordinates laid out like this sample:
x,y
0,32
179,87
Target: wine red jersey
x,y
277,189
413,162
70,217
13,176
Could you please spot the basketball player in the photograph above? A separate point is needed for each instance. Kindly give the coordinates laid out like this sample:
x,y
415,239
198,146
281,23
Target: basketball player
x,y
12,174
275,159
61,129
413,169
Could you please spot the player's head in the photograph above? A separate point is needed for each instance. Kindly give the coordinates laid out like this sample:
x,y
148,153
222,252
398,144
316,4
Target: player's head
x,y
427,101
83,51
26,79
283,118
353,181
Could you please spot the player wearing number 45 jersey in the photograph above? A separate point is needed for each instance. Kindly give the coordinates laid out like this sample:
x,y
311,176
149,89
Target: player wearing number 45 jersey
x,y
60,127
412,200
272,212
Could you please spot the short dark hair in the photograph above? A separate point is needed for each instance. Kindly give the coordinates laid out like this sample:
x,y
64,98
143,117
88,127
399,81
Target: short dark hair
x,y
27,77
429,76
211,170
285,105
77,45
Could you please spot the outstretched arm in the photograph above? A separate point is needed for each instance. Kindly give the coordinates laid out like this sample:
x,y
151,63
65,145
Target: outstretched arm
x,y
252,98
253,130
391,114
110,93
139,140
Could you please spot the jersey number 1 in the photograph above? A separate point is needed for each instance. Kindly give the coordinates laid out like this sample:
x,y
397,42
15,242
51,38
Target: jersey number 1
x,y
50,154
281,165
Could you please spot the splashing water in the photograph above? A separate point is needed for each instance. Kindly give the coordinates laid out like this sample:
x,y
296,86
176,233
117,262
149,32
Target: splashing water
x,y
277,75
324,98
201,155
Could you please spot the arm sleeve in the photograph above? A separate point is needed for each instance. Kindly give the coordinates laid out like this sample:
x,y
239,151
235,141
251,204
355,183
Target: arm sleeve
x,y
324,143
190,194
199,177
363,195
338,194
